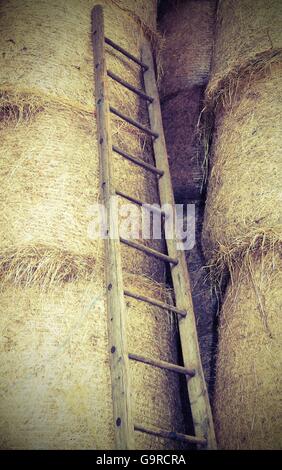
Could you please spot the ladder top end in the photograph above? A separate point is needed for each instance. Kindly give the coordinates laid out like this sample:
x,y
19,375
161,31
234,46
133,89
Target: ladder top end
x,y
97,11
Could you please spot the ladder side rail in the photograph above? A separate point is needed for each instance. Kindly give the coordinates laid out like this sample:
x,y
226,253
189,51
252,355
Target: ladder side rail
x,y
198,395
119,362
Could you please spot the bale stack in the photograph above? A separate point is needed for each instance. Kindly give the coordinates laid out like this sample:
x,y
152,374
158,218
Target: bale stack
x,y
248,402
55,376
54,352
242,227
188,33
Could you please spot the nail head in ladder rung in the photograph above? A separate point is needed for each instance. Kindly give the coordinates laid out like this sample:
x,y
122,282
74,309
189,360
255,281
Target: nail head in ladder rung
x,y
150,251
119,362
124,52
133,122
137,161
200,406
130,87
172,435
157,303
162,365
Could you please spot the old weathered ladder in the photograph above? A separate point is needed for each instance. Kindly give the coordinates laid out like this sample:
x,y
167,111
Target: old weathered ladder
x,y
125,427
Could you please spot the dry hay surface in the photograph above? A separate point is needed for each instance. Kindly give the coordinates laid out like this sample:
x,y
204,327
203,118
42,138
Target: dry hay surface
x,y
248,33
248,406
50,215
186,54
54,361
242,226
46,49
244,191
46,100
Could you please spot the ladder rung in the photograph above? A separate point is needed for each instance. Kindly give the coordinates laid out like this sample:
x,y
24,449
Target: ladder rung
x,y
150,207
172,435
150,251
162,365
162,305
129,86
134,123
137,161
127,54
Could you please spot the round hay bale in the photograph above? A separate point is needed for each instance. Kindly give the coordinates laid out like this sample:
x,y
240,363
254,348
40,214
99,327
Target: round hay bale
x,y
186,156
248,406
54,363
49,172
47,51
248,33
186,54
244,183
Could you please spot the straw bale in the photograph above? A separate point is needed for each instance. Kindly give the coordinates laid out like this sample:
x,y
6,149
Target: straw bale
x,y
47,50
247,33
49,173
244,186
186,156
49,180
188,30
54,362
248,406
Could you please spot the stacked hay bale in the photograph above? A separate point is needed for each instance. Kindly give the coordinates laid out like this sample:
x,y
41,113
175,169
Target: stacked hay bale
x,y
242,228
54,352
248,383
55,379
186,54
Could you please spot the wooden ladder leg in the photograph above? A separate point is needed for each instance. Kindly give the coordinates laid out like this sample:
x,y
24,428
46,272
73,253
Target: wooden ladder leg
x,y
119,362
197,390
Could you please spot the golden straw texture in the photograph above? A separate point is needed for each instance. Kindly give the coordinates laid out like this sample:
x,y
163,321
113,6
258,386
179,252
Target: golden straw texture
x,y
244,192
248,405
49,185
54,351
47,51
54,363
247,33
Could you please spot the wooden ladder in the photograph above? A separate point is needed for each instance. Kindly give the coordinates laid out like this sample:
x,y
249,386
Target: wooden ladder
x,y
119,356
